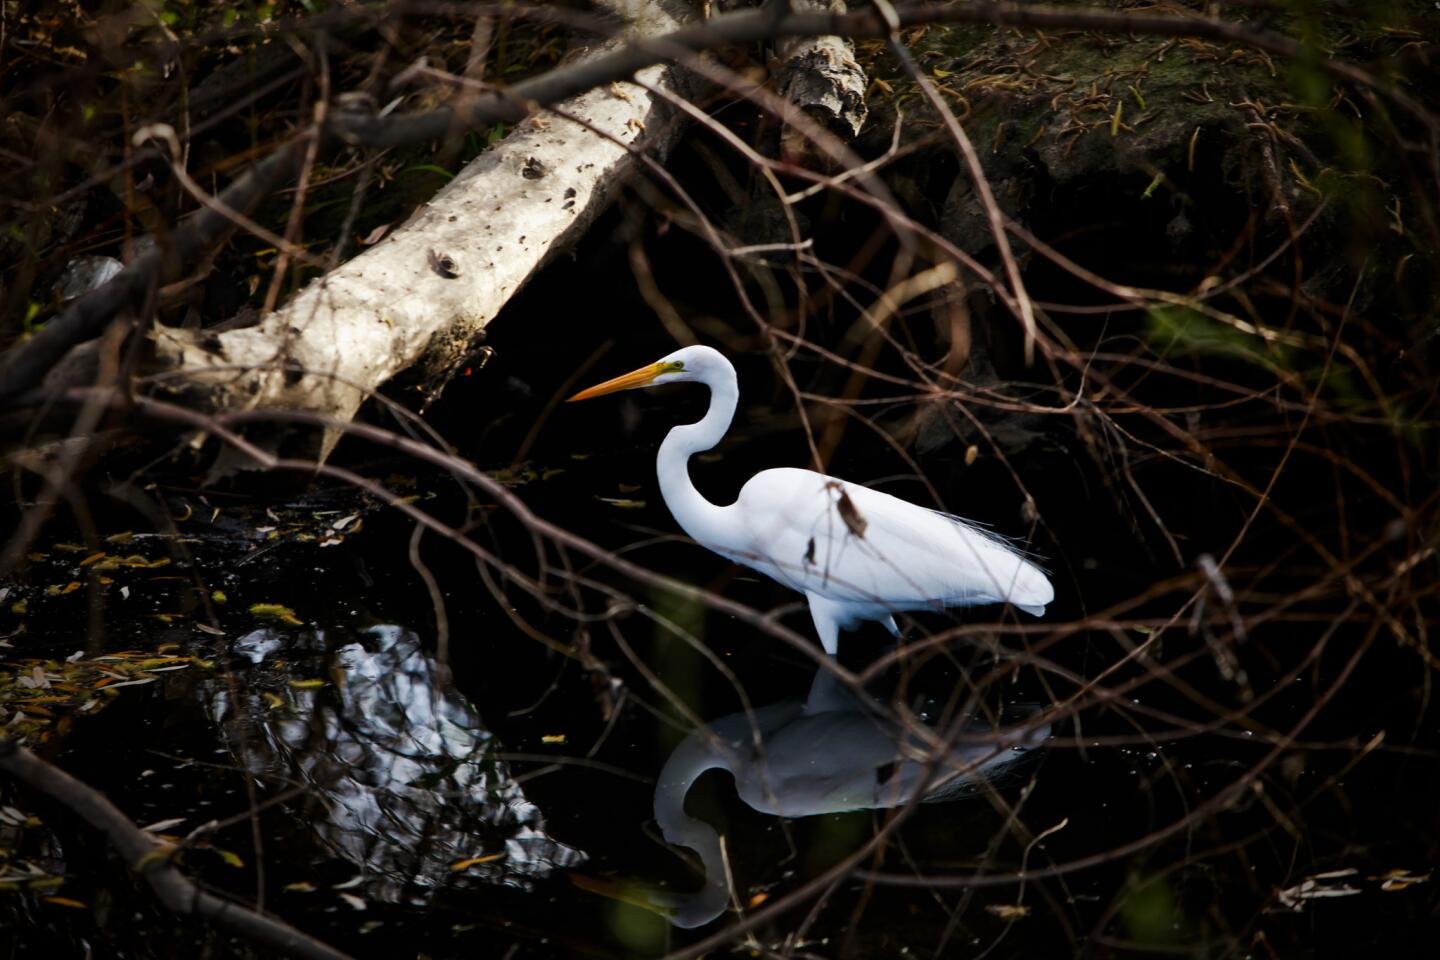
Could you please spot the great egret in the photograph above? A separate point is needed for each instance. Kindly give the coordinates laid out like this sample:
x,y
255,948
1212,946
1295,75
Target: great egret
x,y
856,553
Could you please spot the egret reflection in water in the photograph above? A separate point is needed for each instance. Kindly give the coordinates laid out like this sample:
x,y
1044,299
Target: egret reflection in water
x,y
402,768
832,753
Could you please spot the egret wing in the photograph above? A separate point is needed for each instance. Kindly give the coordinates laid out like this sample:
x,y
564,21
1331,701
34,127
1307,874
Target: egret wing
x,y
851,544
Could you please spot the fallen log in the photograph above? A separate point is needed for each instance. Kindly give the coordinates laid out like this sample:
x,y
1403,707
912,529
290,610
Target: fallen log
x,y
820,76
426,292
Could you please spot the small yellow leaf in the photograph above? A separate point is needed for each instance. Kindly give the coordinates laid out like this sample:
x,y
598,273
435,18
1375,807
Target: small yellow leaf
x,y
152,662
65,902
219,596
275,611
556,738
19,607
943,74
303,886
307,684
230,858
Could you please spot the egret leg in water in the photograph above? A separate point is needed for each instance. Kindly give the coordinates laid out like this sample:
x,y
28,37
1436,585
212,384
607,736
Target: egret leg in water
x,y
857,554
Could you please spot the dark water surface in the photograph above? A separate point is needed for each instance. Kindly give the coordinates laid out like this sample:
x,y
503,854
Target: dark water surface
x,y
504,804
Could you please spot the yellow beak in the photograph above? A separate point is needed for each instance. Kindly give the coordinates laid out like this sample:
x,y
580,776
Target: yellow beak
x,y
635,378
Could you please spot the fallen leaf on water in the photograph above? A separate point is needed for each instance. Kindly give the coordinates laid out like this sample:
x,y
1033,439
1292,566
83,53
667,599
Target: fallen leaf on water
x,y
558,738
623,503
232,859
57,590
66,902
307,684
303,886
130,683
1008,911
37,680
275,611
1317,886
1400,879
469,862
159,825
149,662
134,561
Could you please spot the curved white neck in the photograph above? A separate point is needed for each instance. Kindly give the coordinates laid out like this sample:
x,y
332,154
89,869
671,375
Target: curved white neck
x,y
701,519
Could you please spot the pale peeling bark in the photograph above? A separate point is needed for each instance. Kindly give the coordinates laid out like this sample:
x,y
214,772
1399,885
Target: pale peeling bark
x,y
425,293
820,76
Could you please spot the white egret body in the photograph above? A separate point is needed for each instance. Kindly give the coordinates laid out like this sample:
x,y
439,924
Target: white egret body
x,y
856,553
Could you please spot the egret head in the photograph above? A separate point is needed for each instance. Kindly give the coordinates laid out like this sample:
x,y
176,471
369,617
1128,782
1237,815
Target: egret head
x,y
696,363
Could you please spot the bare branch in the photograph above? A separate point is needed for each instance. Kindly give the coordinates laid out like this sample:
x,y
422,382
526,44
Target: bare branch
x,y
151,858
